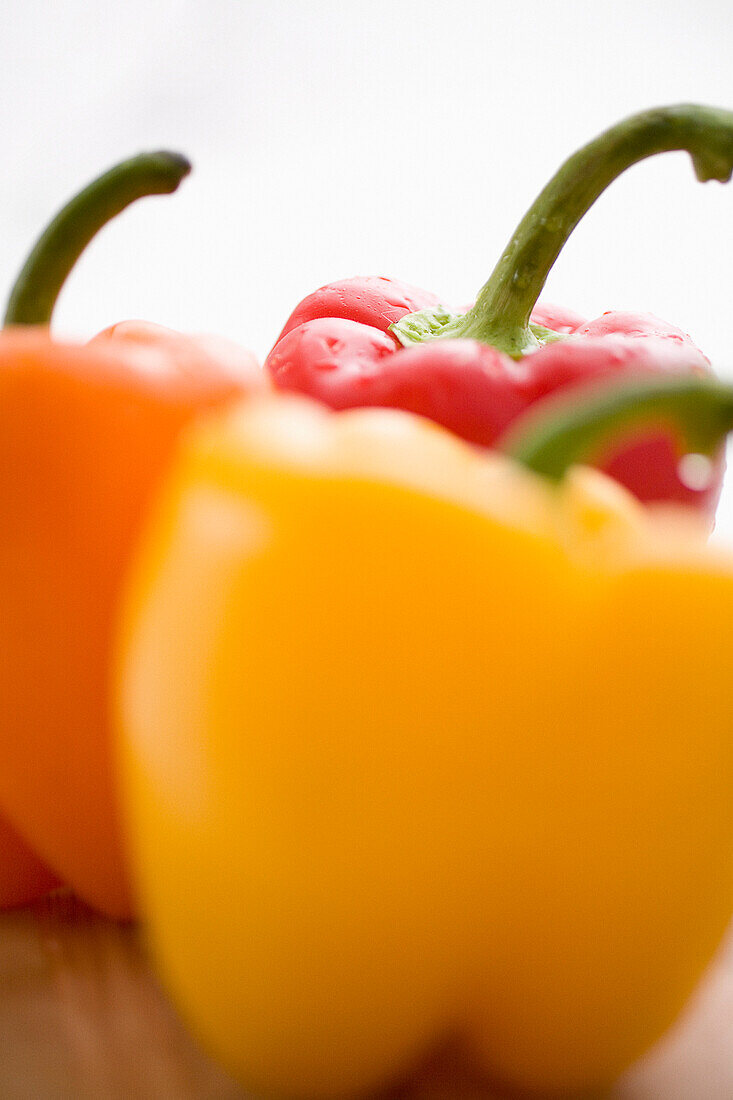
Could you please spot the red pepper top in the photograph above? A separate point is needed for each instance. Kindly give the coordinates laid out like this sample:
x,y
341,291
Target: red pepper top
x,y
375,341
477,391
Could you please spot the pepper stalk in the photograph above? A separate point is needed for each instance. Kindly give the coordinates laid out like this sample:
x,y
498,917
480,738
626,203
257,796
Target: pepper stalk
x,y
57,250
563,432
501,314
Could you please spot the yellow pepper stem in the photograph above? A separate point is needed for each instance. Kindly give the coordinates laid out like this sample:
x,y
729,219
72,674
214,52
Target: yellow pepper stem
x,y
566,433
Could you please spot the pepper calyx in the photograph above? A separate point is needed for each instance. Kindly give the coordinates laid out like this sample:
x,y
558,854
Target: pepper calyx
x,y
426,324
440,322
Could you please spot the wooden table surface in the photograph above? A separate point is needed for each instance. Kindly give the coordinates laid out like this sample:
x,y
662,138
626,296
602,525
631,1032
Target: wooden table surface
x,y
82,1018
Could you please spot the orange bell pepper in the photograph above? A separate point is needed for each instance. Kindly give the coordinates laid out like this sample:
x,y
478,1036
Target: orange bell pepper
x,y
85,435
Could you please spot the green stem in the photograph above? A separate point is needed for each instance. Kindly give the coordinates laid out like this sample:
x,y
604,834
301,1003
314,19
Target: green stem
x,y
39,284
567,433
501,314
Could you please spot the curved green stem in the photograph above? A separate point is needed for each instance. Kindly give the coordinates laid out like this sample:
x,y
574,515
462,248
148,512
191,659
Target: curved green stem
x,y
501,314
39,284
567,432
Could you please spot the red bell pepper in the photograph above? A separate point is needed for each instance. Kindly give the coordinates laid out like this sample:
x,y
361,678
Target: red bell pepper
x,y
374,341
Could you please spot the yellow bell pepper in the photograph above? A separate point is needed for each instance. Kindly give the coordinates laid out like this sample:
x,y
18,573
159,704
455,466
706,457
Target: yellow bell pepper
x,y
421,745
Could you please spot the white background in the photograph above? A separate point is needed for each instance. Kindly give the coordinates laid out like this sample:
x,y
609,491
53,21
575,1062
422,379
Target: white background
x,y
332,139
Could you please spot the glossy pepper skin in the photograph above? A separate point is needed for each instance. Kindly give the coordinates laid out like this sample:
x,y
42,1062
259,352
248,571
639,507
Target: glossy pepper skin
x,y
377,342
86,433
357,832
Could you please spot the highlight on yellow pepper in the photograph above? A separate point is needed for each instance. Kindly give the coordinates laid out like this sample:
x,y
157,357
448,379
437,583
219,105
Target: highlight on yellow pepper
x,y
419,744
